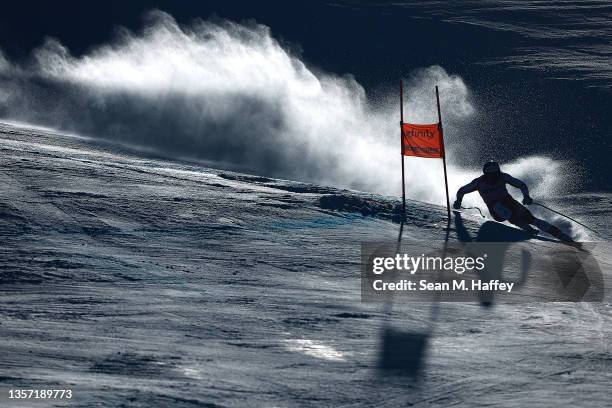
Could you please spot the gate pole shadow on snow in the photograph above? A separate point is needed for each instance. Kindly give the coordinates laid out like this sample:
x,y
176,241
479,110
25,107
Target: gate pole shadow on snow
x,y
403,352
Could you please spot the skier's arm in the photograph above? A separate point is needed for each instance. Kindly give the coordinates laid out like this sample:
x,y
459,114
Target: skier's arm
x,y
520,185
468,188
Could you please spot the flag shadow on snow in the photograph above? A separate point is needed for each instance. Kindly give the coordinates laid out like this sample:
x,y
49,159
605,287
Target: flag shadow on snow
x,y
403,352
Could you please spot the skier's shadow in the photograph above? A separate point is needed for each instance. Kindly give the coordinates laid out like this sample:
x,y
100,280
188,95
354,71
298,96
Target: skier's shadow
x,y
504,237
491,231
575,266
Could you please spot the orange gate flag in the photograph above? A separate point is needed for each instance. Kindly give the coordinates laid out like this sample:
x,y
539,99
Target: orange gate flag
x,y
422,140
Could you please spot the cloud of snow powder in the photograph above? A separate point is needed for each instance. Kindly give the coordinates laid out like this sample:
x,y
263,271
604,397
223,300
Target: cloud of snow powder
x,y
230,93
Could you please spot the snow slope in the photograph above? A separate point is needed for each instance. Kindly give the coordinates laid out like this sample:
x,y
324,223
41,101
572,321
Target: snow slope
x,y
147,283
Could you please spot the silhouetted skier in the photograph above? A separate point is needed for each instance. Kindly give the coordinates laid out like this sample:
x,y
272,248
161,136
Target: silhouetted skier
x,y
492,188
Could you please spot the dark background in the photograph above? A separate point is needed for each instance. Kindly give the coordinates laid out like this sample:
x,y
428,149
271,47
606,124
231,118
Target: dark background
x,y
559,111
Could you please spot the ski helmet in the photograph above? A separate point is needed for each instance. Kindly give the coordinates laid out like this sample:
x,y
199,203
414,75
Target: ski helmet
x,y
491,167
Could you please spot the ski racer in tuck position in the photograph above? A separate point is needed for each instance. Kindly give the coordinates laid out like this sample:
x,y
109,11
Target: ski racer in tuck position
x,y
492,188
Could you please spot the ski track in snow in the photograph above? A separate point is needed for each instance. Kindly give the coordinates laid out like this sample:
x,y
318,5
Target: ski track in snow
x,y
151,283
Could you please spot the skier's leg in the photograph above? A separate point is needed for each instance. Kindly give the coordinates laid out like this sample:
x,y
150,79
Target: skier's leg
x,y
521,216
541,224
551,229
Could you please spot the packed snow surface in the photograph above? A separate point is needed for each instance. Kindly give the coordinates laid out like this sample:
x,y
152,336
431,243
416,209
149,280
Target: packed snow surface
x,y
142,282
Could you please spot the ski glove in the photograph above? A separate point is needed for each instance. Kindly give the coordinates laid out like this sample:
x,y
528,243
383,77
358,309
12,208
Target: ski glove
x,y
527,200
457,204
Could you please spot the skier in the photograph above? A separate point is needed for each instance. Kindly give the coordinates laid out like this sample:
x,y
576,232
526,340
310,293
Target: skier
x,y
492,188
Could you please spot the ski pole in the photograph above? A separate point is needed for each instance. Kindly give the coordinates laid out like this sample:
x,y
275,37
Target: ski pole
x,y
563,215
